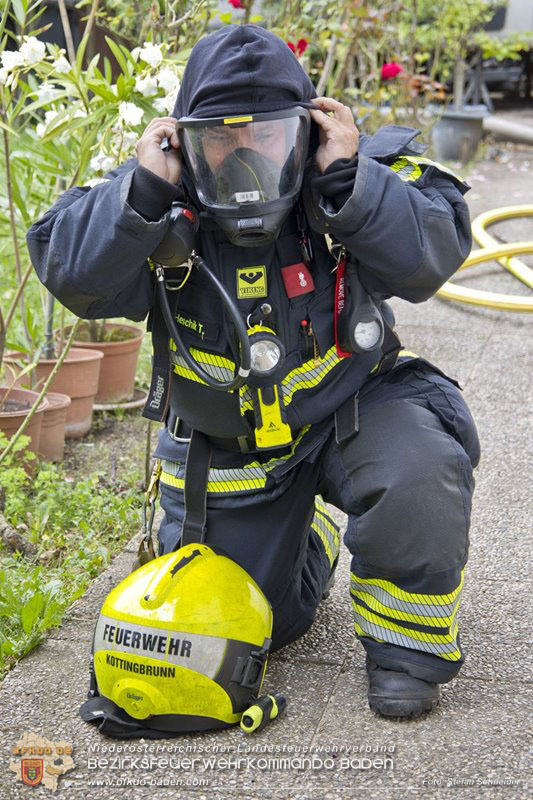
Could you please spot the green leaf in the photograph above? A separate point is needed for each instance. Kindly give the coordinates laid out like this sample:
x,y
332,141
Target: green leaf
x,y
19,11
31,612
102,91
8,129
117,52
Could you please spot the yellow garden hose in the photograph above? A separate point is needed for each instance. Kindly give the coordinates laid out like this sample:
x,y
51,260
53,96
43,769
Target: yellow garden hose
x,y
493,251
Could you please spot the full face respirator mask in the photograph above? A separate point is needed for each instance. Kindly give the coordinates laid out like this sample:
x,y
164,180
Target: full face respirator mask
x,y
247,170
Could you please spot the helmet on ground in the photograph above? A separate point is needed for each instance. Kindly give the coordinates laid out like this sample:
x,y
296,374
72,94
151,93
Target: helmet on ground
x,y
180,645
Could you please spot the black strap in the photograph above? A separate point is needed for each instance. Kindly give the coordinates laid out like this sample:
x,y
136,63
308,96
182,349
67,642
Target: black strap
x,y
158,397
347,419
196,477
390,348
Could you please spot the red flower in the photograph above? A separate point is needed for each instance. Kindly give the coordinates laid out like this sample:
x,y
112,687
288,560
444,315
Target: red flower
x,y
236,3
390,70
300,48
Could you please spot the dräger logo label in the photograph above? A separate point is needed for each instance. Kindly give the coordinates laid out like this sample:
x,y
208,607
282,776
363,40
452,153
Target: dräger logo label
x,y
155,402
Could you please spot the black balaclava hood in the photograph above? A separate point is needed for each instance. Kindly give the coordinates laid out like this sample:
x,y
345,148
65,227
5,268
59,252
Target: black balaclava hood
x,y
241,69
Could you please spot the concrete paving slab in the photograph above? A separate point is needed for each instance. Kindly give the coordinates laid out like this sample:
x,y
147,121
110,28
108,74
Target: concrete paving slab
x,y
498,539
492,614
455,359
475,735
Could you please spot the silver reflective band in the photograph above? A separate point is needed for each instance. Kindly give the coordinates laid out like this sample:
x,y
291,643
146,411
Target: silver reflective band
x,y
367,334
243,372
265,354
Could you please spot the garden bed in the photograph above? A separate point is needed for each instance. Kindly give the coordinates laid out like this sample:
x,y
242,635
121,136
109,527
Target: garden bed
x,y
62,527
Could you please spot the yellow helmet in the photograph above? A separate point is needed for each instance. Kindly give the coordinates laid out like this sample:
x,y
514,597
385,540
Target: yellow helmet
x,y
180,645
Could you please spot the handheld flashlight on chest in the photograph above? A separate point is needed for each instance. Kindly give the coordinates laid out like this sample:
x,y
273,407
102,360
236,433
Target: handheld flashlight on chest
x,y
267,355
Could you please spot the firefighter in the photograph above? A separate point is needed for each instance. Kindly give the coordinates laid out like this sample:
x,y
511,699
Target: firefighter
x,y
303,228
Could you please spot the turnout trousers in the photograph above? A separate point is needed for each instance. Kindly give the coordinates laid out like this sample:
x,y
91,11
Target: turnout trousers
x,y
405,481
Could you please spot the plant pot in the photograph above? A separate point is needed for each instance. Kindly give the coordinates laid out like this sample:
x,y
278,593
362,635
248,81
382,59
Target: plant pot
x,y
457,134
52,441
117,372
77,377
11,420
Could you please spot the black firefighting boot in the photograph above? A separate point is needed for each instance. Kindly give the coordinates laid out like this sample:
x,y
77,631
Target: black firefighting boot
x,y
397,694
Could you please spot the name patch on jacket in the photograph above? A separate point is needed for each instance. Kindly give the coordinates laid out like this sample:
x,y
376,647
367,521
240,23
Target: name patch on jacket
x,y
297,279
205,330
251,282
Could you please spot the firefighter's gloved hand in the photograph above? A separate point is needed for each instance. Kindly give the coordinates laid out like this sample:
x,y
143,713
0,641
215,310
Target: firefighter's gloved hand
x,y
166,165
339,136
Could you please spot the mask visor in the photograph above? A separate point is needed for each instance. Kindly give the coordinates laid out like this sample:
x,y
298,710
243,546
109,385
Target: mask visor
x,y
245,161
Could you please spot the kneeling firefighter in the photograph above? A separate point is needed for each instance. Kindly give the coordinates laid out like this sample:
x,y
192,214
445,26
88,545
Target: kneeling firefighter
x,y
277,373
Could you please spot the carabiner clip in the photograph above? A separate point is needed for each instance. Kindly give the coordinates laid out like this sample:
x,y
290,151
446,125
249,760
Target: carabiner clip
x,y
146,551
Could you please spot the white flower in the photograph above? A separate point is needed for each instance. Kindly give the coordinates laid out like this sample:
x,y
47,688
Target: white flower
x,y
80,112
168,81
151,53
47,93
161,105
40,129
4,75
135,53
130,113
11,59
101,162
146,86
108,163
129,139
33,50
61,65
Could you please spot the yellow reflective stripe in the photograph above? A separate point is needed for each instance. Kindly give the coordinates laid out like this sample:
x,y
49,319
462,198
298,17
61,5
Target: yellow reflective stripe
x,y
428,162
407,616
309,374
406,168
412,597
451,655
212,358
324,540
229,480
407,354
434,638
387,601
216,486
328,523
245,399
276,461
215,365
409,168
247,478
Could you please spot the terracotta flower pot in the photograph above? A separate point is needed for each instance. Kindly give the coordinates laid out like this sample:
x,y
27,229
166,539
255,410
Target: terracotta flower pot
x,y
117,373
14,411
77,377
52,442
